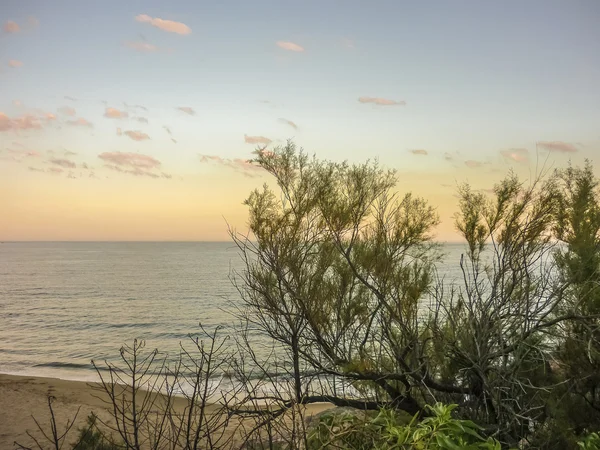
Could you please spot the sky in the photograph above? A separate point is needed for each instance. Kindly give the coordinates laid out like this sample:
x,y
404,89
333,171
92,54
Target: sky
x,y
134,120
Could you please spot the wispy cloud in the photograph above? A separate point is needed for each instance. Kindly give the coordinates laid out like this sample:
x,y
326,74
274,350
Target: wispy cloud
x,y
135,106
419,151
11,27
347,43
133,160
73,99
243,166
69,153
15,63
55,170
288,122
80,122
141,46
256,140
114,113
520,155
136,135
187,110
168,130
25,122
169,26
290,46
473,164
381,101
67,111
557,146
141,119
133,164
65,163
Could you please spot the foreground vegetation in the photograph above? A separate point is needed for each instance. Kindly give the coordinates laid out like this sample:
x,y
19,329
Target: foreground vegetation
x,y
341,275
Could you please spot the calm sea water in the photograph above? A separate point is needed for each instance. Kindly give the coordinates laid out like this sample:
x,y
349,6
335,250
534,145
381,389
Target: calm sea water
x,y
63,304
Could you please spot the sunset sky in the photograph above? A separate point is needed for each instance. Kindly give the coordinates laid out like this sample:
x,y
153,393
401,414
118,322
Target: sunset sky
x,y
133,120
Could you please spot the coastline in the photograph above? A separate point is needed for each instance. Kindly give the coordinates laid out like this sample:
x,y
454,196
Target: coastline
x,y
22,397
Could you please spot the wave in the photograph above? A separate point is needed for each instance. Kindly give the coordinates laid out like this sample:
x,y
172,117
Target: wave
x,y
65,365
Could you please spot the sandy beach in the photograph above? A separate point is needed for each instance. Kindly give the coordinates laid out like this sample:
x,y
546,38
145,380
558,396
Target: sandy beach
x,y
24,396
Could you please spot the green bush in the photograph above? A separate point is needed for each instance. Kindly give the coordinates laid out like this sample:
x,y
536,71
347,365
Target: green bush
x,y
387,432
590,442
92,438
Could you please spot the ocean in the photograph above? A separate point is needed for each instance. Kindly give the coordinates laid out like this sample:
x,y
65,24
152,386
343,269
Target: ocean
x,y
63,304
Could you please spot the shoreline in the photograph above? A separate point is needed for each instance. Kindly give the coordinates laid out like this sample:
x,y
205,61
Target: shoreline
x,y
22,396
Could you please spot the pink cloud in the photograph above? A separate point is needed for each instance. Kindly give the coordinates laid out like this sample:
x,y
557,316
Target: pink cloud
x,y
80,122
419,151
113,113
67,111
141,46
169,26
25,122
55,170
520,155
290,46
50,116
32,22
136,171
256,140
187,110
381,101
557,146
131,160
133,134
288,122
65,163
11,27
240,165
473,164
15,63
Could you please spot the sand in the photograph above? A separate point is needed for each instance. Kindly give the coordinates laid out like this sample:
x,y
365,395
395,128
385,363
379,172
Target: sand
x,y
23,396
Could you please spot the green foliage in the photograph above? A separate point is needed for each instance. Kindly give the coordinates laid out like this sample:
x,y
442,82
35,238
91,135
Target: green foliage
x,y
388,431
92,438
590,442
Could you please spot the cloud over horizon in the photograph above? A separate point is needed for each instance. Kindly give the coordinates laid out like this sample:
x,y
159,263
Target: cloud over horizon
x,y
24,122
257,140
289,46
65,163
135,135
114,113
243,166
67,110
557,146
138,160
473,164
187,109
80,122
381,101
520,155
288,122
419,151
11,27
169,26
141,46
